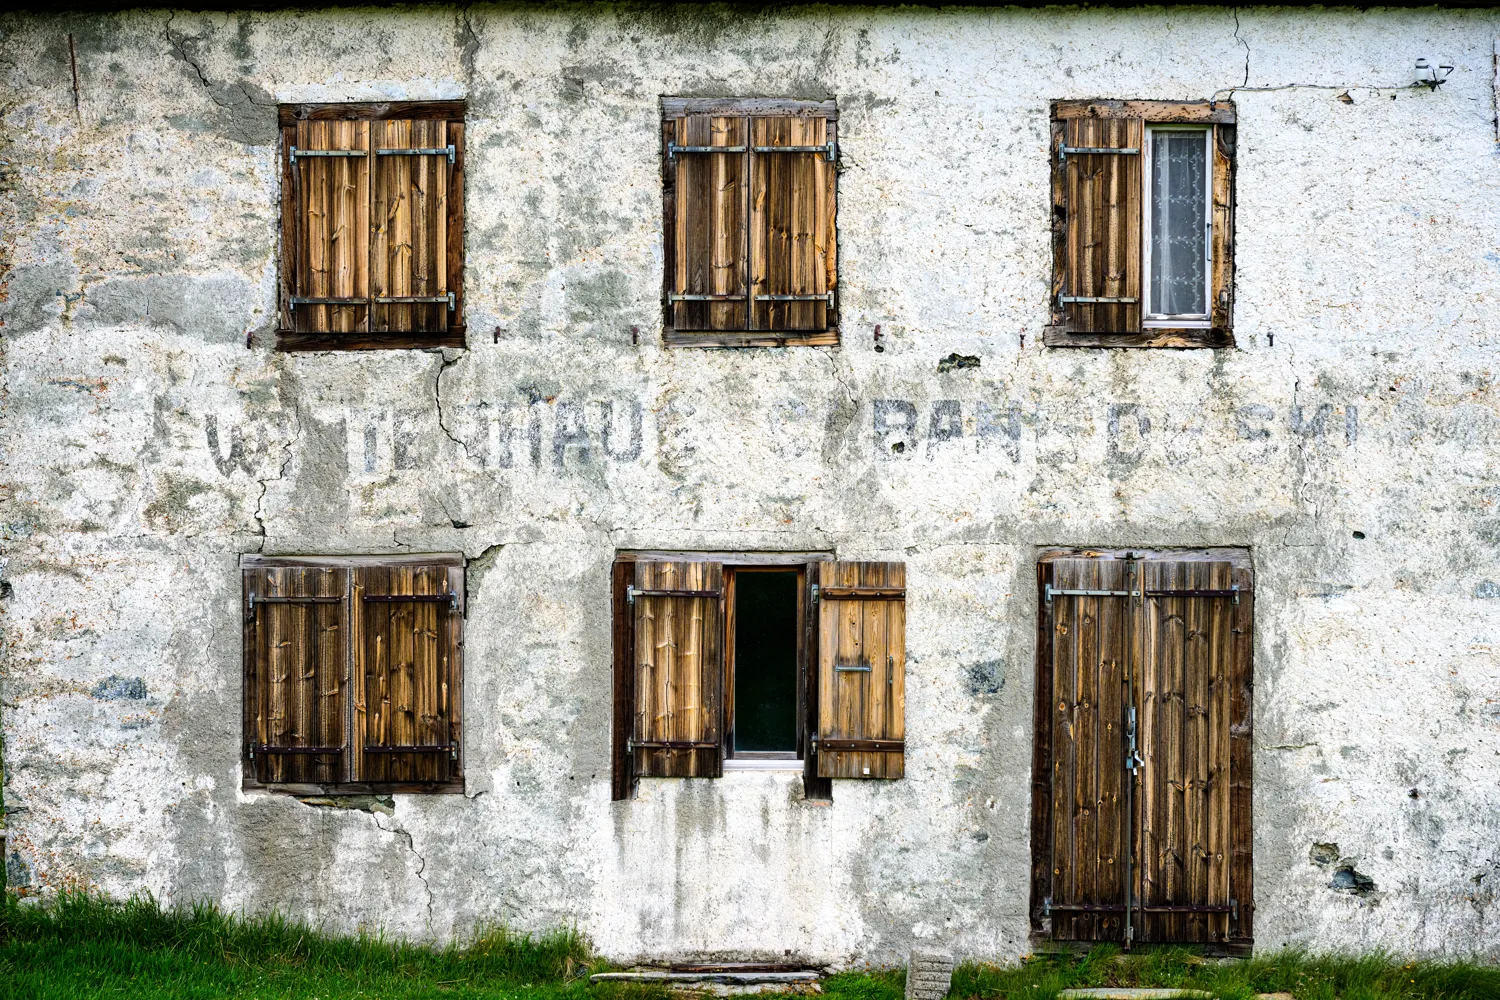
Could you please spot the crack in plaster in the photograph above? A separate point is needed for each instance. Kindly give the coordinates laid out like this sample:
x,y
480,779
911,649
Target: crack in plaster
x,y
411,846
287,448
437,397
179,47
1236,12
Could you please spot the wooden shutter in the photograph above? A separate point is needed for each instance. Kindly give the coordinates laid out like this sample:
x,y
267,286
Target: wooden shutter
x,y
329,201
622,776
409,213
1222,285
861,669
1192,700
408,628
296,674
1085,674
793,265
711,193
1097,223
678,669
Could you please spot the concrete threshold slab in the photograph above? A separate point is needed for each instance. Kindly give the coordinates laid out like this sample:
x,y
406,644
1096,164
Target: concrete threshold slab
x,y
719,983
1131,993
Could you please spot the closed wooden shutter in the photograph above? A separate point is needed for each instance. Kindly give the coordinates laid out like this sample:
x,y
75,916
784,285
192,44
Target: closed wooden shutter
x,y
408,621
1194,616
1097,214
751,230
712,200
793,265
622,774
861,672
679,669
1086,670
330,242
409,213
296,674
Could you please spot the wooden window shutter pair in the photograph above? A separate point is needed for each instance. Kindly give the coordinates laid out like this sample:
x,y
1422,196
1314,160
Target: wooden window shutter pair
x,y
372,226
749,212
353,673
1141,780
669,641
1099,200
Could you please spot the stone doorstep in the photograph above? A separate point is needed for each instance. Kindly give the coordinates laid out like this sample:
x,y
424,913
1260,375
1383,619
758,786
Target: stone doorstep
x,y
1125,993
719,983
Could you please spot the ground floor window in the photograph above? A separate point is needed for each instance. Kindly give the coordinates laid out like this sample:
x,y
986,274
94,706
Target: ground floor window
x,y
1141,783
353,673
745,661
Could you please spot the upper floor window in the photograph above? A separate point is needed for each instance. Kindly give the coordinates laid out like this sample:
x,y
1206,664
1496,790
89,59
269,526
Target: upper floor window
x,y
750,195
1142,224
372,216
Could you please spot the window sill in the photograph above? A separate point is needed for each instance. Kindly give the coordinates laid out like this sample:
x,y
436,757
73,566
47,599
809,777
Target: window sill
x,y
305,340
1167,337
750,338
789,764
453,786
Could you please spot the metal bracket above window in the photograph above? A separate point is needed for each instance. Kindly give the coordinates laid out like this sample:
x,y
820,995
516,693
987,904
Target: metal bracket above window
x,y
673,149
1065,151
448,151
828,149
295,152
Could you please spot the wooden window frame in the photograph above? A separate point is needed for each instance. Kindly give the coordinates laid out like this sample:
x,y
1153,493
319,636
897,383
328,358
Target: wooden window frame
x,y
674,108
1219,117
288,337
249,780
753,760
1240,732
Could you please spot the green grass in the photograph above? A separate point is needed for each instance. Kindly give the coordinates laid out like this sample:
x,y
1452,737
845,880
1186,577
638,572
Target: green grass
x,y
1306,977
82,946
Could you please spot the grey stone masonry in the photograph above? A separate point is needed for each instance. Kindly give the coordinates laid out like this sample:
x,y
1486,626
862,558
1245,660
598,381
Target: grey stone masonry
x,y
929,974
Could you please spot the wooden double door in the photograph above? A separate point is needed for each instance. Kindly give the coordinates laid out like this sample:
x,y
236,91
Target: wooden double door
x,y
1141,788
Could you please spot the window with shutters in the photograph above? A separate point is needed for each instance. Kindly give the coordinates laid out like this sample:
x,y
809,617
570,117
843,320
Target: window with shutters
x,y
1142,224
1141,777
749,221
353,673
372,226
729,662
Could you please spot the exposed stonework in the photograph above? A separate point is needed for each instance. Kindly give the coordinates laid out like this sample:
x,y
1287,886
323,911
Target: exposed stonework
x,y
1349,441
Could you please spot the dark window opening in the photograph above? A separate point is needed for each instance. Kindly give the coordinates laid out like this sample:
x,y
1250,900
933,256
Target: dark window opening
x,y
765,640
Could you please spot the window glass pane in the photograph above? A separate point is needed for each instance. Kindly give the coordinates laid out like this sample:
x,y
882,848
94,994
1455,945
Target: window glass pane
x,y
765,661
1179,169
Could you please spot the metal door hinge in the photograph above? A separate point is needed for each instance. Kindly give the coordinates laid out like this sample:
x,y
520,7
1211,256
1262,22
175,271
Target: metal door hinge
x,y
450,151
1047,907
828,149
1065,151
673,149
815,593
629,594
326,152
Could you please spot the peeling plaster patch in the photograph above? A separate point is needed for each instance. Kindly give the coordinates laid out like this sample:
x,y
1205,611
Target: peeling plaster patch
x,y
17,871
1323,854
1347,879
216,308
117,688
985,677
1487,589
955,360
364,803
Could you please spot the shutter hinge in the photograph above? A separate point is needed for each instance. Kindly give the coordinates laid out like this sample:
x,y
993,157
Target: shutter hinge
x,y
453,747
295,152
1065,151
815,593
629,594
1047,907
828,149
673,149
1234,910
1094,300
250,610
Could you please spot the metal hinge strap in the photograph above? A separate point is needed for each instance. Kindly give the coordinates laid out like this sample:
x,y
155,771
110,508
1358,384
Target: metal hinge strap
x,y
448,151
1097,300
673,149
851,668
1067,151
1050,592
326,152
821,297
675,297
448,297
828,149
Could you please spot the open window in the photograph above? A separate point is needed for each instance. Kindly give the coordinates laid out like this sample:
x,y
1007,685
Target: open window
x,y
739,662
372,226
353,673
749,204
1142,215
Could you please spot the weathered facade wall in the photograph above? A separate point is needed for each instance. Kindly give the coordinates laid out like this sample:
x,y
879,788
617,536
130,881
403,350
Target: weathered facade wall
x,y
1350,441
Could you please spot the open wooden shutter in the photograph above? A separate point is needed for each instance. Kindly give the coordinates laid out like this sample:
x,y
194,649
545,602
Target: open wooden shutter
x,y
409,212
408,628
1192,699
793,250
861,672
711,194
296,674
1096,190
328,199
678,660
1090,614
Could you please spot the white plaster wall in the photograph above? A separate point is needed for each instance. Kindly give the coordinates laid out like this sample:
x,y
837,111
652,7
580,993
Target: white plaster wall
x,y
146,448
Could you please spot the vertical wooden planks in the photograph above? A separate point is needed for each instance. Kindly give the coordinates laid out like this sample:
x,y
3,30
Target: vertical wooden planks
x,y
791,224
679,669
861,669
1241,759
1102,199
332,208
622,774
453,255
709,237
